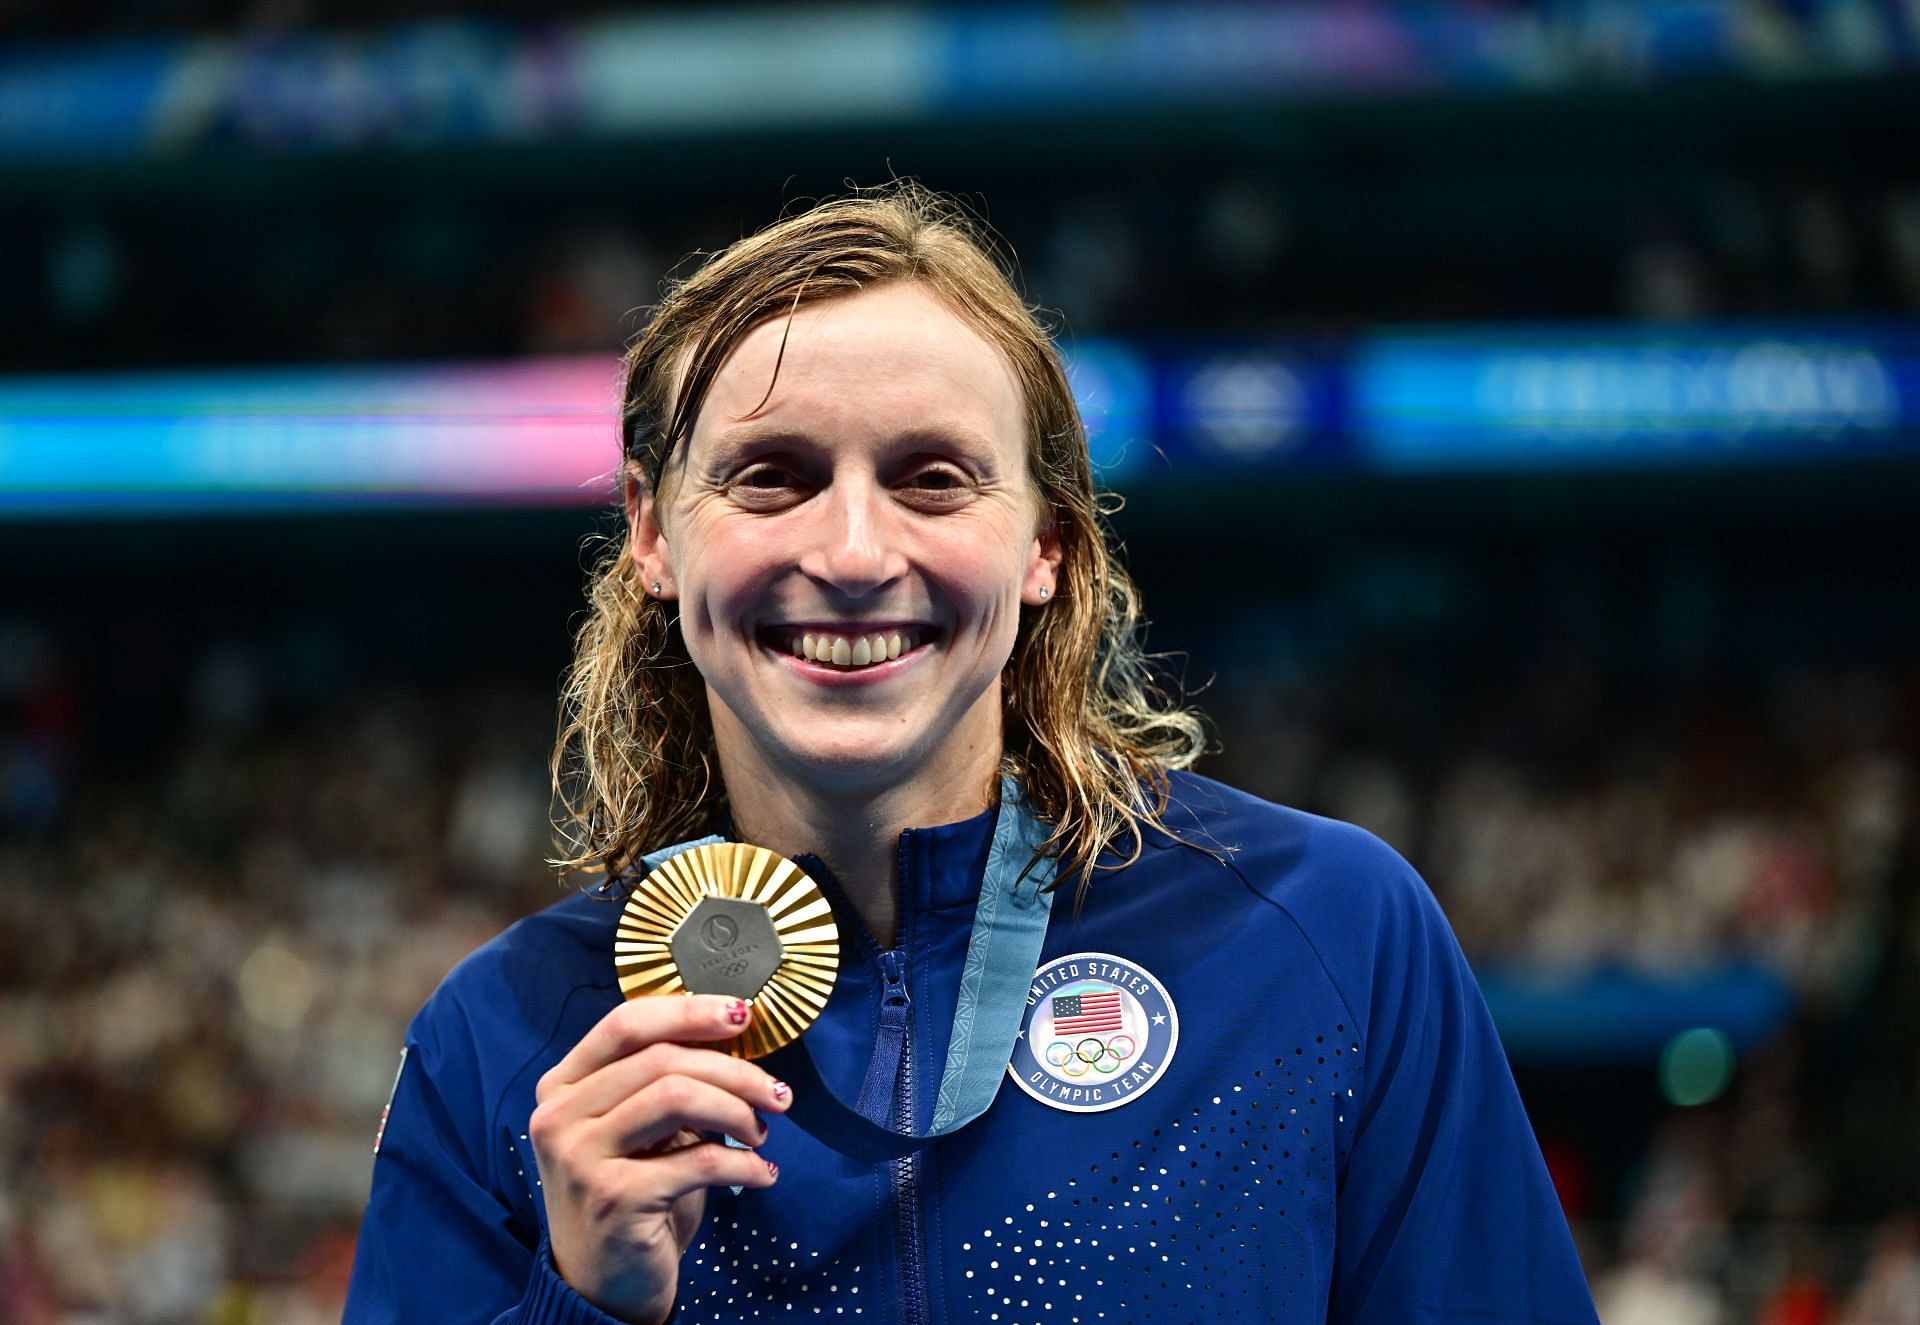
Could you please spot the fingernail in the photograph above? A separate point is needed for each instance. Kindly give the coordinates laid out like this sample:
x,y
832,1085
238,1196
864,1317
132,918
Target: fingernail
x,y
737,1012
773,1169
781,1090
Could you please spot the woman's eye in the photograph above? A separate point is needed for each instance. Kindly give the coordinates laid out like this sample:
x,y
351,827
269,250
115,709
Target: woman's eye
x,y
765,479
937,482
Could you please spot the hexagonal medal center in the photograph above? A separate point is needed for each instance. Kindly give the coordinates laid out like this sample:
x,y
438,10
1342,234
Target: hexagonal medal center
x,y
726,946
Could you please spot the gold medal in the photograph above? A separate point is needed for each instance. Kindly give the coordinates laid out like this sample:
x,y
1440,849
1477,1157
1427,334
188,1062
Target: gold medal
x,y
728,918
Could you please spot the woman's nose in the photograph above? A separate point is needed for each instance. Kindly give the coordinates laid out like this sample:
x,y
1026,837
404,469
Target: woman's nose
x,y
855,547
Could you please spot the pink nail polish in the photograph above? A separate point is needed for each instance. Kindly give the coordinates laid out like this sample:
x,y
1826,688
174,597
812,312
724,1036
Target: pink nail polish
x,y
773,1169
781,1090
737,1012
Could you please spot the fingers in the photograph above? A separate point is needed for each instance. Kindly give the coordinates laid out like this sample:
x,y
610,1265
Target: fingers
x,y
709,1164
606,1089
662,1110
641,1022
618,1133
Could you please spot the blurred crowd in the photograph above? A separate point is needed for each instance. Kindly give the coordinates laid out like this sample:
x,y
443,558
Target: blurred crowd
x,y
216,919
1767,836
1248,252
206,966
1242,251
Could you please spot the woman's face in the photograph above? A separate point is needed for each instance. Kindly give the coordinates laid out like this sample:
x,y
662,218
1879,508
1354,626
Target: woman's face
x,y
874,511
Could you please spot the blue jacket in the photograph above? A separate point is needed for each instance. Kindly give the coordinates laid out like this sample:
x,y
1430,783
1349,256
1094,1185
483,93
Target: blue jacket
x,y
1335,1135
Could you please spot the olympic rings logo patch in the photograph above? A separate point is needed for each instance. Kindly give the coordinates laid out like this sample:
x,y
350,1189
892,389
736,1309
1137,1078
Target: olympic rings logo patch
x,y
1099,1031
1090,1054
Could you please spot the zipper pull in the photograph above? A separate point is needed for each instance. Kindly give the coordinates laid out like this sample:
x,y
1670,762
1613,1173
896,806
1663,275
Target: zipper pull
x,y
876,1092
894,968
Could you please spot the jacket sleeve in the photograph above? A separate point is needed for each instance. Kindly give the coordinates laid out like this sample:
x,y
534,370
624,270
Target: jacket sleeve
x,y
436,1243
1446,1211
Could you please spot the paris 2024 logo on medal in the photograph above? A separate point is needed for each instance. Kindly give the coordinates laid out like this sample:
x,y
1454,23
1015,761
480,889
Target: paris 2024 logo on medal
x,y
1099,1032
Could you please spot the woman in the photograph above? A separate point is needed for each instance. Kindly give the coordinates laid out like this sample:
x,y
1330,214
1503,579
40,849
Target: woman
x,y
864,615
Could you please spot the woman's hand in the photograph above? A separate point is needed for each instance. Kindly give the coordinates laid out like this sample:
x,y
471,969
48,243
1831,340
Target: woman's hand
x,y
623,1164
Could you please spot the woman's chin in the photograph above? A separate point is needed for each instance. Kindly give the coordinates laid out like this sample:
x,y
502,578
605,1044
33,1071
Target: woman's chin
x,y
843,765
866,755
842,750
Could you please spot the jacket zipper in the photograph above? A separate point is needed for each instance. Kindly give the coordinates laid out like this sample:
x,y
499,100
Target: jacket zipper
x,y
906,1169
896,1005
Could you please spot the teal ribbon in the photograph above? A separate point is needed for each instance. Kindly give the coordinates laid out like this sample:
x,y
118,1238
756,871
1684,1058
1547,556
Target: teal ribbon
x,y
1003,952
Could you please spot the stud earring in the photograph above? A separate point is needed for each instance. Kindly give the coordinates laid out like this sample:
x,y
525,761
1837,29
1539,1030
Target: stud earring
x,y
656,586
1043,591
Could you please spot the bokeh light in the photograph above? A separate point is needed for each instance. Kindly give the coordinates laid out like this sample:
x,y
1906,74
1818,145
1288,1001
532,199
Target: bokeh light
x,y
1696,1066
275,987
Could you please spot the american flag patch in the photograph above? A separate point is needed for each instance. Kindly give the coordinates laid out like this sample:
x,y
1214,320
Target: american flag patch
x,y
1088,1014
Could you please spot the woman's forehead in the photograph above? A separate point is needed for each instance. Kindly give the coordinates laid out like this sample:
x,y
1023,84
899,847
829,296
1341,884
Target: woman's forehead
x,y
884,360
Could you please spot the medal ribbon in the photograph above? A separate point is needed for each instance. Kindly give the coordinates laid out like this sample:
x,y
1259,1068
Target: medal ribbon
x,y
1003,952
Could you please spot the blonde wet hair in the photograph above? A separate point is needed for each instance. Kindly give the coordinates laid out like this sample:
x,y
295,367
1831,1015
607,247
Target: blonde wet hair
x,y
1088,728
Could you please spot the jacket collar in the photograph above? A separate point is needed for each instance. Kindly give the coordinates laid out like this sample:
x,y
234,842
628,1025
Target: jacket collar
x,y
939,870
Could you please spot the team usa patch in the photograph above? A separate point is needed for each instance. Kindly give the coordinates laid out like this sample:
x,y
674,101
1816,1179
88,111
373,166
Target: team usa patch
x,y
1099,1032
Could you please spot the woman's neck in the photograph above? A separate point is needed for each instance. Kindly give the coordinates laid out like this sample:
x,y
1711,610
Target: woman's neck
x,y
857,834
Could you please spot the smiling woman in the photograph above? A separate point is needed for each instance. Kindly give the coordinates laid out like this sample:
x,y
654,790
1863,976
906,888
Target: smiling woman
x,y
880,324
864,615
857,474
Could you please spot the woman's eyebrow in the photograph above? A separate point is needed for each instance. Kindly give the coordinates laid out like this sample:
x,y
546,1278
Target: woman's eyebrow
x,y
939,438
738,441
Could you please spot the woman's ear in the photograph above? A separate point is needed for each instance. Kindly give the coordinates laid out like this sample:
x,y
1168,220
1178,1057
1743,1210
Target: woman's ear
x,y
1042,584
646,541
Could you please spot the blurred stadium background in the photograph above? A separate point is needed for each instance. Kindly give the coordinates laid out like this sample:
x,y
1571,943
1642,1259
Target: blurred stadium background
x,y
1518,410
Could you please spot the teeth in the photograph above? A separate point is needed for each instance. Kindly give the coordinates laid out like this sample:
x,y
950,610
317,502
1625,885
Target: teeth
x,y
851,651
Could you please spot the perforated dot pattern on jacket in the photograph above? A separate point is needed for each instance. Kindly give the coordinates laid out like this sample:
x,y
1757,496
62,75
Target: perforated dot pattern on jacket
x,y
738,1271
1227,1198
1214,1201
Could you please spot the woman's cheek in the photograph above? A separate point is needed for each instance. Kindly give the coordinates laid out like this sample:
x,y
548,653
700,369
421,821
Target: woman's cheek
x,y
980,575
732,558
